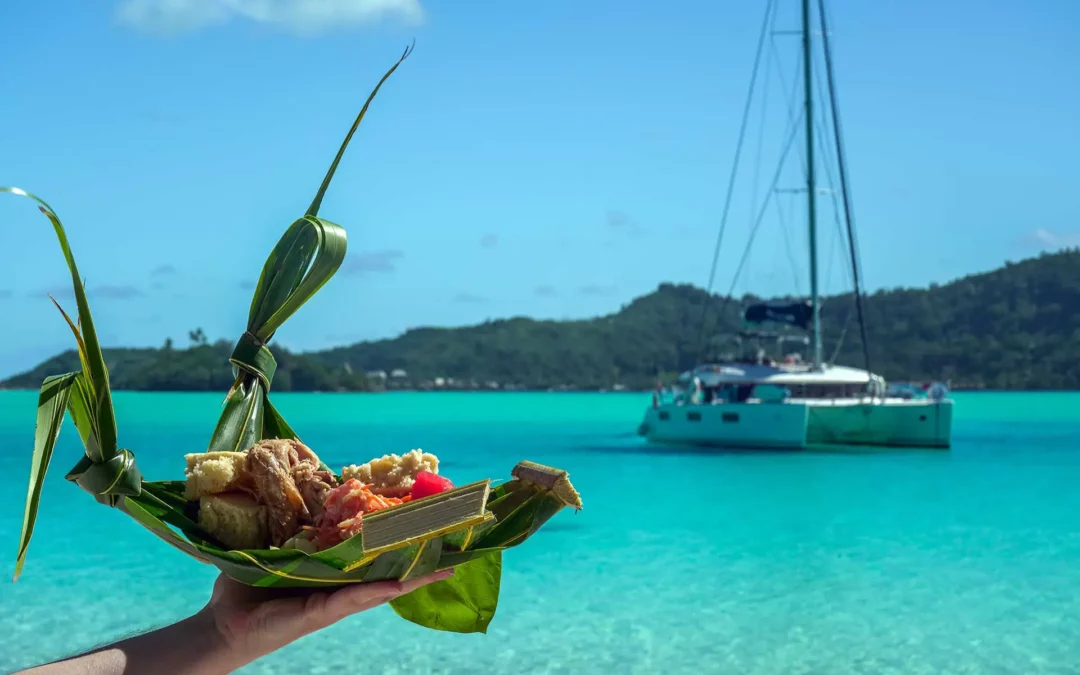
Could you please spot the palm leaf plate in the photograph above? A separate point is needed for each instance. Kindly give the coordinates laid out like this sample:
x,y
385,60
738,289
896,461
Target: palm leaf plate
x,y
465,528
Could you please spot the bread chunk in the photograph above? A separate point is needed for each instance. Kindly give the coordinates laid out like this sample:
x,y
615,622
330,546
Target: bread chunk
x,y
236,519
211,473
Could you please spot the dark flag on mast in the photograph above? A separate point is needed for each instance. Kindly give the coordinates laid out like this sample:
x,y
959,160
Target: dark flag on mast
x,y
797,314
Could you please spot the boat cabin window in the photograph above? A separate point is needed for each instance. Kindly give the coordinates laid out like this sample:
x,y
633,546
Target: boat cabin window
x,y
828,390
727,393
771,393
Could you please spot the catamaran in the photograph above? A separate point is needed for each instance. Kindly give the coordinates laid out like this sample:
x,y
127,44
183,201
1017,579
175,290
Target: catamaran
x,y
756,400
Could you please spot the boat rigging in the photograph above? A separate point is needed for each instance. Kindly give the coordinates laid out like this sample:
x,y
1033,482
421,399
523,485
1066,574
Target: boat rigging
x,y
752,400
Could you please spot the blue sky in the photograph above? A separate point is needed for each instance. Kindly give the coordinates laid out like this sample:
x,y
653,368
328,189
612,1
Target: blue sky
x,y
552,159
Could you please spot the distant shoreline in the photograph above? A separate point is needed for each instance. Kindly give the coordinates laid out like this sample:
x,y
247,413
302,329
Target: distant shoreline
x,y
515,391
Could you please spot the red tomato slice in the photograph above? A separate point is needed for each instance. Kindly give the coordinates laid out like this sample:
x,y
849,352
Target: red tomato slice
x,y
428,484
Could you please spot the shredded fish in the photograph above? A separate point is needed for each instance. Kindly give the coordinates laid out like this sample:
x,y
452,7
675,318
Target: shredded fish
x,y
343,510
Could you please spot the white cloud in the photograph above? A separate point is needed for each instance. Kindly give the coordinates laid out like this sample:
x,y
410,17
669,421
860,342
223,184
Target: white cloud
x,y
1053,239
299,16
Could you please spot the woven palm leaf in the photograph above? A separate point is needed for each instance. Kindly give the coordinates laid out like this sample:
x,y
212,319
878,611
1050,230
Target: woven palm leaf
x,y
465,528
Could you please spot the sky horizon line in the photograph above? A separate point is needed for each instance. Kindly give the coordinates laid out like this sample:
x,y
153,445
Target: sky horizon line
x,y
929,287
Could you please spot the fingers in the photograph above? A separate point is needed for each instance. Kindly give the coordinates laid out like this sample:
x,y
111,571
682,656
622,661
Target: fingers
x,y
411,585
361,597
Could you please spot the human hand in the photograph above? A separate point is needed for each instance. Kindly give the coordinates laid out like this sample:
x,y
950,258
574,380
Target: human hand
x,y
252,622
239,624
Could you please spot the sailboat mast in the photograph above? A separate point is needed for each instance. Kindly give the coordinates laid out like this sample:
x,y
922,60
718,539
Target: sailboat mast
x,y
811,192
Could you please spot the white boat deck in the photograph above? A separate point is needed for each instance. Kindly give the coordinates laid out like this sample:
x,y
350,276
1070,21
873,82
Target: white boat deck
x,y
798,421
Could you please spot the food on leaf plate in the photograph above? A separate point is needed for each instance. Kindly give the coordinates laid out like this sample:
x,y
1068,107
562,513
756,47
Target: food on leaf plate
x,y
277,495
275,515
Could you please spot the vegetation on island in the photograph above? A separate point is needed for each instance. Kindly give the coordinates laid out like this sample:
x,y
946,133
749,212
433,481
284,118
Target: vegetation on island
x,y
1017,327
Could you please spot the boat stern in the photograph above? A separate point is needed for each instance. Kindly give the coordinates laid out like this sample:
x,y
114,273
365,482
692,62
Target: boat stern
x,y
648,422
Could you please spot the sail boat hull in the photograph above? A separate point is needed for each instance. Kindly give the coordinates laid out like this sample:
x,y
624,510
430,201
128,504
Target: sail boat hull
x,y
799,424
741,425
887,423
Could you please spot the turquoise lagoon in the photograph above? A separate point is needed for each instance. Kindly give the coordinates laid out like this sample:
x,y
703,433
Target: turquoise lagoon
x,y
961,561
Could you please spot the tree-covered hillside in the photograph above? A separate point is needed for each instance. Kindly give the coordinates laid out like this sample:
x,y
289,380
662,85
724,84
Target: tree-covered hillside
x,y
1017,327
201,367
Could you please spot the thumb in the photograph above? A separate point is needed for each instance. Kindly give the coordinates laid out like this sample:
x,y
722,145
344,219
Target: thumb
x,y
361,597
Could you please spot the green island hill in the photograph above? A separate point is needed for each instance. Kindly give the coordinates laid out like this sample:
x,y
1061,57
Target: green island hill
x,y
1016,327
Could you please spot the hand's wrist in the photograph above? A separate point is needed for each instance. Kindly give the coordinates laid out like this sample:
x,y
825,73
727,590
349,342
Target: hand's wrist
x,y
218,654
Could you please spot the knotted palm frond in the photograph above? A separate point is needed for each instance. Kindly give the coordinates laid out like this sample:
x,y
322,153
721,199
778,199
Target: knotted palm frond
x,y
466,528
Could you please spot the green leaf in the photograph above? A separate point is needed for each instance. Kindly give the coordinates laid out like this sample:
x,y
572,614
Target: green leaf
x,y
148,516
105,480
520,524
302,262
52,403
81,414
104,471
275,426
306,257
316,203
464,603
95,372
241,421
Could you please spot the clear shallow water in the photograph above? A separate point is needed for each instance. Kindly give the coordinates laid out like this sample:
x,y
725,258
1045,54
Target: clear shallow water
x,y
965,561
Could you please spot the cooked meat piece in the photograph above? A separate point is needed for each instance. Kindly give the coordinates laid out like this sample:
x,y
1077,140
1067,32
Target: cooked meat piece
x,y
286,449
314,486
304,453
270,464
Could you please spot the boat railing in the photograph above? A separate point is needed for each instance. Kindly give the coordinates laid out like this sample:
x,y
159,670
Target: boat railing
x,y
767,392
